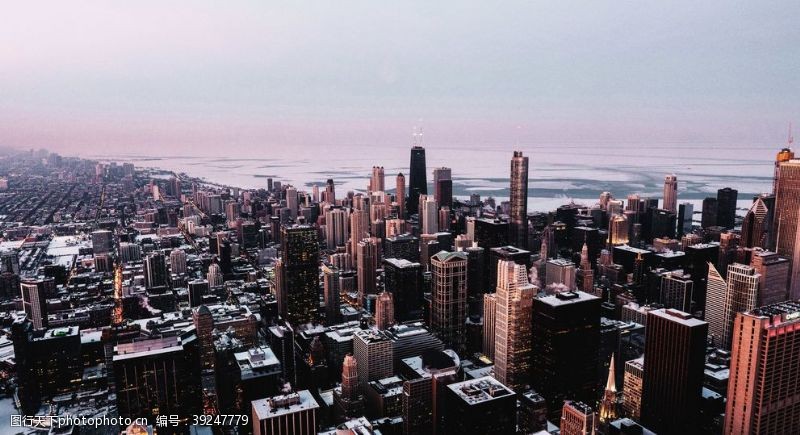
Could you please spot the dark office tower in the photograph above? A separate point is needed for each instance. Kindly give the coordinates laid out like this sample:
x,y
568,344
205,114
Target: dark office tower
x,y
34,299
726,207
754,226
298,297
763,391
480,406
477,281
28,392
330,191
449,298
566,331
709,217
519,201
158,376
403,279
675,347
204,327
400,194
443,186
404,246
670,193
155,271
281,341
418,182
331,290
491,233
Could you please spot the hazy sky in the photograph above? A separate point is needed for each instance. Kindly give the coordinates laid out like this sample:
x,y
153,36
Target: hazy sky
x,y
212,77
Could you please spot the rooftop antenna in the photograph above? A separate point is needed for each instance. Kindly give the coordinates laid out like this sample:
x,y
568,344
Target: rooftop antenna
x,y
417,136
790,141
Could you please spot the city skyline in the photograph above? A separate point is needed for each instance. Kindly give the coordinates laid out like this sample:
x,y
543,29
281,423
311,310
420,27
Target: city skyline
x,y
155,76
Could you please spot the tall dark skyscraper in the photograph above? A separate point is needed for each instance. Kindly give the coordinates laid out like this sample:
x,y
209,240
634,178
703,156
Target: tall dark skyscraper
x,y
298,274
418,182
566,331
726,207
674,354
519,200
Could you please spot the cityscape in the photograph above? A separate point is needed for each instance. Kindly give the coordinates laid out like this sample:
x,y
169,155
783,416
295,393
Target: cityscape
x,y
176,305
399,218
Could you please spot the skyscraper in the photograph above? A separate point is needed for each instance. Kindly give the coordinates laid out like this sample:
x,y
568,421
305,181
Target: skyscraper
x,y
384,311
331,291
429,216
774,271
159,376
577,418
675,348
373,352
566,328
726,297
378,181
632,388
449,298
330,191
519,201
480,406
177,261
155,271
298,274
785,223
443,186
763,384
34,299
403,279
754,226
710,210
366,265
287,414
671,193
400,194
337,227
489,324
418,182
726,207
514,308
359,230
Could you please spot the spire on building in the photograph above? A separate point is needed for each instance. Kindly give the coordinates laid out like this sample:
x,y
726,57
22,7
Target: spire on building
x,y
608,405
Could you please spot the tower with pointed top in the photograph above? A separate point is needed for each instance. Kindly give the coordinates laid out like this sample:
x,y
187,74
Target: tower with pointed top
x,y
608,405
586,272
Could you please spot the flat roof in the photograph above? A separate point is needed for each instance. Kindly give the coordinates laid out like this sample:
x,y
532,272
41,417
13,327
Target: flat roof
x,y
284,404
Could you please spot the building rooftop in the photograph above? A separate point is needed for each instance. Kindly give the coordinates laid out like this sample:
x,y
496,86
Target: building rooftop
x,y
566,298
480,390
284,404
150,347
677,316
